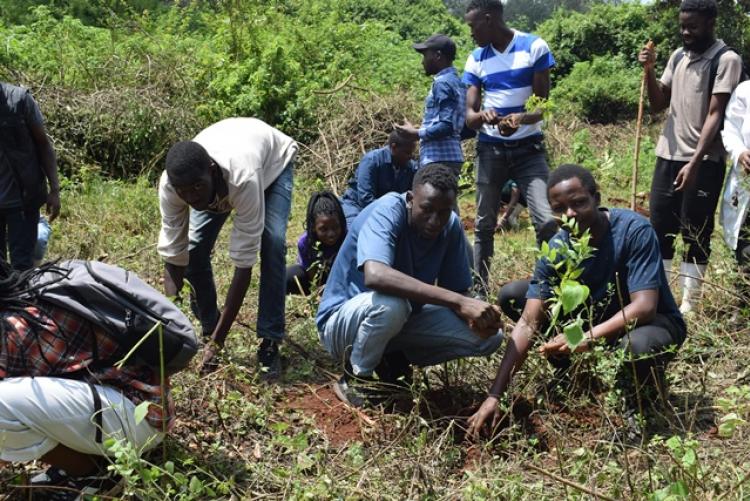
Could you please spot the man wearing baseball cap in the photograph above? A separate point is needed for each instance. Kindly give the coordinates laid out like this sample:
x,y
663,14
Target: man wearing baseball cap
x,y
445,106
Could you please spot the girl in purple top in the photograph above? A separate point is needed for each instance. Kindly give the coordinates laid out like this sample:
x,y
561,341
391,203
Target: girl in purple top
x,y
325,226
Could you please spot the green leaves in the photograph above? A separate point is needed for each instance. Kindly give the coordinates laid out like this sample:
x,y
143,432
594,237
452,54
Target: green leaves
x,y
140,411
728,424
574,333
572,295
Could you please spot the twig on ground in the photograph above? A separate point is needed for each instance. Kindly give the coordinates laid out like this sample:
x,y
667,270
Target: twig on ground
x,y
570,483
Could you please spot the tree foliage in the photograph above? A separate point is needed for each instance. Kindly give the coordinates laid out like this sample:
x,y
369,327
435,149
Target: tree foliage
x,y
203,61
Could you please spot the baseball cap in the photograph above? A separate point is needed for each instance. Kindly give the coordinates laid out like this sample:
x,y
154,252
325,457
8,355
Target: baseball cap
x,y
443,43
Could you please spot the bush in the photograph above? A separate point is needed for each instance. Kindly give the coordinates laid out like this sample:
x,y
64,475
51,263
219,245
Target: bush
x,y
116,96
601,31
604,90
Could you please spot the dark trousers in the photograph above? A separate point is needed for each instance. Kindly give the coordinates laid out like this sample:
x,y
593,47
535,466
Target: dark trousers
x,y
689,212
651,346
18,232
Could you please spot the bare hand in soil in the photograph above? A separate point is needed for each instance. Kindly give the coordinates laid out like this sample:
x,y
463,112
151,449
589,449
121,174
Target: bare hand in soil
x,y
744,161
210,360
477,420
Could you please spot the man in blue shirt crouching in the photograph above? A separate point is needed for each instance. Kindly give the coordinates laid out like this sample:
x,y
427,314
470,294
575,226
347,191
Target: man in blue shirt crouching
x,y
397,292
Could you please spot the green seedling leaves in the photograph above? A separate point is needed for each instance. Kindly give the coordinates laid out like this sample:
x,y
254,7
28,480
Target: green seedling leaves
x,y
573,294
728,424
574,333
140,411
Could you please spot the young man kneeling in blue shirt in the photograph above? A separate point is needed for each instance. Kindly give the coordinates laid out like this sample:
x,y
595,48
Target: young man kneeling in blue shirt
x,y
626,263
396,294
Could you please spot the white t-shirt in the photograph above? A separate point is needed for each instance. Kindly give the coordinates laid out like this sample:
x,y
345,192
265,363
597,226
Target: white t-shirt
x,y
251,154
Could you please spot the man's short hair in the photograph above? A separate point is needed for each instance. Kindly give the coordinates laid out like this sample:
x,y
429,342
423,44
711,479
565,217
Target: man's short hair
x,y
569,171
400,139
706,8
494,6
439,176
186,162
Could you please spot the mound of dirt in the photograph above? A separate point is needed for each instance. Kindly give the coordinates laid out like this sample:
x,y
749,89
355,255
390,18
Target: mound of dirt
x,y
340,423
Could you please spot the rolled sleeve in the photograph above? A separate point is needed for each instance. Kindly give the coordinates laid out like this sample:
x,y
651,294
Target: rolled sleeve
x,y
175,221
249,217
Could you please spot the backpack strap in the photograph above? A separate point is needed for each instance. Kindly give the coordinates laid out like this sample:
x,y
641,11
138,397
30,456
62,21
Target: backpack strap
x,y
677,58
714,68
98,422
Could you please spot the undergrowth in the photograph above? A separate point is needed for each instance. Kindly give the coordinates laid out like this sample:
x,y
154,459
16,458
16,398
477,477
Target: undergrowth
x,y
239,438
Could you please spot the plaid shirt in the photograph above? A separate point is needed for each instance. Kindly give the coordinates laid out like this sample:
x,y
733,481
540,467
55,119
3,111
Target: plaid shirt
x,y
66,344
444,116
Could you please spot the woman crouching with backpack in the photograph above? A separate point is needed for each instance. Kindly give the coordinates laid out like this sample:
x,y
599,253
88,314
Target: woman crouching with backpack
x,y
59,406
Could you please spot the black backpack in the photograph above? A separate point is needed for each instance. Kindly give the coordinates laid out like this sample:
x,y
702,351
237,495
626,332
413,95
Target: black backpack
x,y
125,306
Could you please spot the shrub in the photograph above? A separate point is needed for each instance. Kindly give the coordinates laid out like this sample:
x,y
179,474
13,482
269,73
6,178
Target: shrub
x,y
604,90
603,30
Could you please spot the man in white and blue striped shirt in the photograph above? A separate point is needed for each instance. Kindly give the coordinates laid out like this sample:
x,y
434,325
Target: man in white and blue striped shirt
x,y
502,74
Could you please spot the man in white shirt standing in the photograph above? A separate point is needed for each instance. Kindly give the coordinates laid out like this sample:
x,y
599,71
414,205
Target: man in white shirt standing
x,y
736,136
246,165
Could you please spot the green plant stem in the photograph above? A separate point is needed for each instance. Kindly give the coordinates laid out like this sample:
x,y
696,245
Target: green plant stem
x,y
137,345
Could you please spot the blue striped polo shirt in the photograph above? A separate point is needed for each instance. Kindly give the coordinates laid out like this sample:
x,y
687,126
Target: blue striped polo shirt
x,y
506,79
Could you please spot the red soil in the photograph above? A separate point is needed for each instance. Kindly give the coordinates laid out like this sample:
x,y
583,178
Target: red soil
x,y
340,423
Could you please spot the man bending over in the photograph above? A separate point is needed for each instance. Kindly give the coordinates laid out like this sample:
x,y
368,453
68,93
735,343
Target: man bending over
x,y
246,165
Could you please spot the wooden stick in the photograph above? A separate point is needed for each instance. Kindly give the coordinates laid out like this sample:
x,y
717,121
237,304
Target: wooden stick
x,y
634,180
570,483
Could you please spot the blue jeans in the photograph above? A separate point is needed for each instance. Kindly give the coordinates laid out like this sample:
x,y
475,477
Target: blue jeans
x,y
527,166
204,230
371,324
18,231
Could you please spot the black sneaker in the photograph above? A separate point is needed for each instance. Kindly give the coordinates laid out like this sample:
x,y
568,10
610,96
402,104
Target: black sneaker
x,y
55,484
269,360
395,371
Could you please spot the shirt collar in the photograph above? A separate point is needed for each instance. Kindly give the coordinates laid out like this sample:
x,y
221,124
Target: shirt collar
x,y
445,71
708,53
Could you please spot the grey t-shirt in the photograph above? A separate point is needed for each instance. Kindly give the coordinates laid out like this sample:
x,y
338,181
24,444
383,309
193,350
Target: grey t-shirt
x,y
13,97
688,106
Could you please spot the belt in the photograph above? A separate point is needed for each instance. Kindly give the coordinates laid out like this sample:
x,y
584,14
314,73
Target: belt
x,y
516,144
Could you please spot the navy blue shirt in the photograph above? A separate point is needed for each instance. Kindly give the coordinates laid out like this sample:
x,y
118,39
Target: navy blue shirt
x,y
375,176
627,258
381,233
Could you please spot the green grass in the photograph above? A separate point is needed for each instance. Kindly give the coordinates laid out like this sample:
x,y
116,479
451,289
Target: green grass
x,y
238,437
